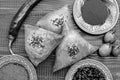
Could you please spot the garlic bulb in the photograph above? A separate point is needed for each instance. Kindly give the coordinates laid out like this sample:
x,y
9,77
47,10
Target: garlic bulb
x,y
109,37
105,50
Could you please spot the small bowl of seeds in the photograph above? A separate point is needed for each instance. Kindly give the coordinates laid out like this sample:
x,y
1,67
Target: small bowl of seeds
x,y
89,69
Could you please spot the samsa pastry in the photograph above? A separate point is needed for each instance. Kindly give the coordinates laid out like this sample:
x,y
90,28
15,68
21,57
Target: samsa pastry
x,y
39,43
54,21
72,49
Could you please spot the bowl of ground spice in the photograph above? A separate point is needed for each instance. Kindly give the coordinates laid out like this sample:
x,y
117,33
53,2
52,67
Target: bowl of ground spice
x,y
96,16
89,69
15,67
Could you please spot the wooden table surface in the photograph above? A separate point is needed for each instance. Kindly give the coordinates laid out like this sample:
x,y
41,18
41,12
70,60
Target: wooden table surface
x,y
44,70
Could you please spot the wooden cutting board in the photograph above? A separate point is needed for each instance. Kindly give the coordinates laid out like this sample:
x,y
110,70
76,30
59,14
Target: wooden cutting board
x,y
44,70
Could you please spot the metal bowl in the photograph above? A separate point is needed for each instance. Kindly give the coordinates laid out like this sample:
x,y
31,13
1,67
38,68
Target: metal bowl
x,y
109,23
13,59
88,62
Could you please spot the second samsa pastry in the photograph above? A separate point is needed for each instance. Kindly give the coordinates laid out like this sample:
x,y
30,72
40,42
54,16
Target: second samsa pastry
x,y
39,43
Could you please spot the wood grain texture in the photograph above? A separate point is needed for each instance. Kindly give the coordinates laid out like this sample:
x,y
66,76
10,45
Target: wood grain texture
x,y
7,10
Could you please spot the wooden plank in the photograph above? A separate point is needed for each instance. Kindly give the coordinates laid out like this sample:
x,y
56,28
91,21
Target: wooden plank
x,y
7,10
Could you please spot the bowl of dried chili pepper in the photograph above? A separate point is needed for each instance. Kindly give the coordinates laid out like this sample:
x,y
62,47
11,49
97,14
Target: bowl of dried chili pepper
x,y
89,69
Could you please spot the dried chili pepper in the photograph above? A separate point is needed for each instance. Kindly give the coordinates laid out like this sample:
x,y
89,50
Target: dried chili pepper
x,y
19,18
